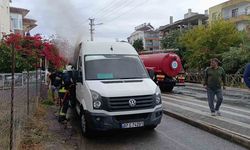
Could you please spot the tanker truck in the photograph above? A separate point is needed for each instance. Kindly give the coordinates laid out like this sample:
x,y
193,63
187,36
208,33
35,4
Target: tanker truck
x,y
167,68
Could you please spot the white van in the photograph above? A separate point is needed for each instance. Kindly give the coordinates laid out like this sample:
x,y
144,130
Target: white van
x,y
114,90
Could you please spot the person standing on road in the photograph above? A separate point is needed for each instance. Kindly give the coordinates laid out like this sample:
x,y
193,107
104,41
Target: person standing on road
x,y
214,76
247,75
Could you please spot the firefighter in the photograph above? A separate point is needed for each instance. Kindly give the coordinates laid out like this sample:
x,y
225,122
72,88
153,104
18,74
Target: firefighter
x,y
56,82
65,95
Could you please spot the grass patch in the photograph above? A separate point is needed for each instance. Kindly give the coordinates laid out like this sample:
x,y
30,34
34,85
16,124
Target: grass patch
x,y
47,102
35,131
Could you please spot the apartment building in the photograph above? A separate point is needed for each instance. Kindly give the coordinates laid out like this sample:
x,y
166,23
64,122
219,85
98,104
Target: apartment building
x,y
19,22
148,35
236,11
190,20
14,20
4,17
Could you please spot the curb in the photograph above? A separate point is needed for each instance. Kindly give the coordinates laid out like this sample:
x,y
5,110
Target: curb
x,y
218,131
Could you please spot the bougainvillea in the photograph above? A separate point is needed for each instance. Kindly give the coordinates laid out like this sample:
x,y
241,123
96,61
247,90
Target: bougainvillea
x,y
32,48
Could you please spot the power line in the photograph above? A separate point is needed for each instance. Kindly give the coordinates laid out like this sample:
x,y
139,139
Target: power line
x,y
111,4
129,10
104,9
117,9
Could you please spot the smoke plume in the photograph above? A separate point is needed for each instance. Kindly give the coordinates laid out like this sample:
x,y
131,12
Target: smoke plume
x,y
62,19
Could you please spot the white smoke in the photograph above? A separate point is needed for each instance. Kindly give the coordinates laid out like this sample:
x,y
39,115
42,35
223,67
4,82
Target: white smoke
x,y
65,21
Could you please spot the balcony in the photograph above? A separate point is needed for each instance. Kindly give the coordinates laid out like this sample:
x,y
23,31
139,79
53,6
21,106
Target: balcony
x,y
151,36
240,16
152,45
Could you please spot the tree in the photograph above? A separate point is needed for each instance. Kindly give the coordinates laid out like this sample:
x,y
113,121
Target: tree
x,y
29,50
171,40
138,45
234,61
203,43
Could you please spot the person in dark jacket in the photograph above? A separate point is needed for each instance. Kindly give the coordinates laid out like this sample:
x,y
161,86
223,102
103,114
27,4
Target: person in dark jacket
x,y
56,82
247,75
214,77
66,90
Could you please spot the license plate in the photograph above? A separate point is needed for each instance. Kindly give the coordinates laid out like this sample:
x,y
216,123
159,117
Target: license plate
x,y
133,124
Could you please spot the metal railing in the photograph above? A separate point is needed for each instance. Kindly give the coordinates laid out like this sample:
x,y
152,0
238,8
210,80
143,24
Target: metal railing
x,y
231,79
20,79
238,14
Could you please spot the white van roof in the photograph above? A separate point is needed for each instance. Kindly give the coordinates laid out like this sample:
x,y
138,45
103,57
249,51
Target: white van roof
x,y
89,48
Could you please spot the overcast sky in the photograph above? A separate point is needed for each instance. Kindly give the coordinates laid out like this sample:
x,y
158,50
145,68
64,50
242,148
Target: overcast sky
x,y
69,18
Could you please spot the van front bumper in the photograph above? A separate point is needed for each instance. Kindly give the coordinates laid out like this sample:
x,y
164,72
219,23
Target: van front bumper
x,y
104,122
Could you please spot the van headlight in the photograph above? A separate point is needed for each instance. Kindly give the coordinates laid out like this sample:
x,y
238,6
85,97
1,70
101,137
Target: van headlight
x,y
97,100
158,96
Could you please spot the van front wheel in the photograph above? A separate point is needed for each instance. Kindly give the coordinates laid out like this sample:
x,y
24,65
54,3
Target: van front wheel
x,y
152,127
84,127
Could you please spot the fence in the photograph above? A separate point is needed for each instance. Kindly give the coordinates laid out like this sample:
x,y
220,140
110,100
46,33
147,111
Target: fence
x,y
231,79
26,96
20,79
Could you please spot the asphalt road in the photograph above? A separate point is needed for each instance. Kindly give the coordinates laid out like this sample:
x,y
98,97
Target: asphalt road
x,y
232,96
171,134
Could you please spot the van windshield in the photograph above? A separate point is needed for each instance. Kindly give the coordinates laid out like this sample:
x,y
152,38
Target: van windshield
x,y
111,67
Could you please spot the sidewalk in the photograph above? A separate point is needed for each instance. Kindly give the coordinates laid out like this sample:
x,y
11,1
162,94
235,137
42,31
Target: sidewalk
x,y
230,91
233,125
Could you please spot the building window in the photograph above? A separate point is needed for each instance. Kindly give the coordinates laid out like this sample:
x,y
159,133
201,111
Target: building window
x,y
16,22
214,16
235,12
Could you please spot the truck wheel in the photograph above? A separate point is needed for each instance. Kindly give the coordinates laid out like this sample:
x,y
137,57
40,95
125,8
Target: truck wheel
x,y
169,88
84,126
166,88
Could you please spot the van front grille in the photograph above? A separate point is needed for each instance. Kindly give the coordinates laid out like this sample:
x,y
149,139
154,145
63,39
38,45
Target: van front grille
x,y
122,103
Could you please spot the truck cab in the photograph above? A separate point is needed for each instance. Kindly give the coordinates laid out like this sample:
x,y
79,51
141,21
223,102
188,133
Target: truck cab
x,y
113,89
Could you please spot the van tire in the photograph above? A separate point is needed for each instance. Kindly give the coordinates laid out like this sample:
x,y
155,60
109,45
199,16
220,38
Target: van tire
x,y
84,125
152,127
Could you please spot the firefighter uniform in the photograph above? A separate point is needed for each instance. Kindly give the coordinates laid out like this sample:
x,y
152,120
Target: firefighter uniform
x,y
65,96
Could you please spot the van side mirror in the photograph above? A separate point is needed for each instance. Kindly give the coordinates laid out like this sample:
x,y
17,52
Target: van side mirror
x,y
79,77
74,75
151,74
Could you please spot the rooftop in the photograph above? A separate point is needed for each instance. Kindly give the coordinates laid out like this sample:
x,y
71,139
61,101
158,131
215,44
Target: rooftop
x,y
22,11
30,23
184,21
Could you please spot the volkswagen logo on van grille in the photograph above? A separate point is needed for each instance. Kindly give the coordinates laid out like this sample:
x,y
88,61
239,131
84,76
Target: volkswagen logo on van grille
x,y
132,102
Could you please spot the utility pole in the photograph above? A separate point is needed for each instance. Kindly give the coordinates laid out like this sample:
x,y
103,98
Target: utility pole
x,y
92,24
91,28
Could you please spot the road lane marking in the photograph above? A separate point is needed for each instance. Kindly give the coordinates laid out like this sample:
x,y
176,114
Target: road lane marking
x,y
189,98
208,115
